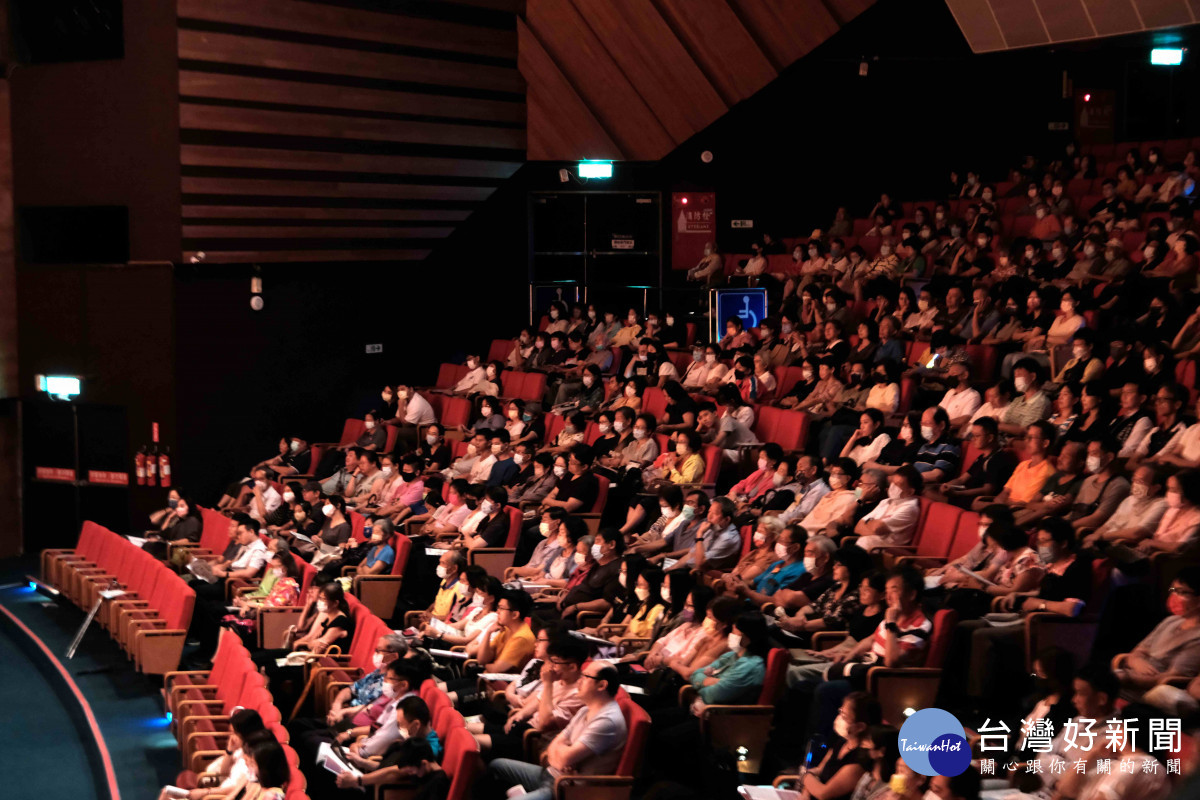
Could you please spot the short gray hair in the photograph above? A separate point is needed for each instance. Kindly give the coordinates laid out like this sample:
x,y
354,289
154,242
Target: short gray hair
x,y
395,643
879,475
823,543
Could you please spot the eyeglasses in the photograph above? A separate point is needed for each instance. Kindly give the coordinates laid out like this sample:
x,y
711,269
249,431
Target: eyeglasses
x,y
1181,592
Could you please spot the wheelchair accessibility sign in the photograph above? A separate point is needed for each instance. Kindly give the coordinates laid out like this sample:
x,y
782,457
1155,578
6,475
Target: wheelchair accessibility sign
x,y
748,305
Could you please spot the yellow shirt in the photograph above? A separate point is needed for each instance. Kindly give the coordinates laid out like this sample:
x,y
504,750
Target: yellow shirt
x,y
516,649
690,471
643,628
1026,482
447,596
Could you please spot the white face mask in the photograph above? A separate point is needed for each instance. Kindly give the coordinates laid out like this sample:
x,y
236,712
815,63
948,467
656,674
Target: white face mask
x,y
762,463
1021,384
580,558
279,572
781,551
596,553
837,481
520,458
385,471
810,564
1150,364
1174,499
377,661
619,426
759,538
667,512
431,439
262,485
603,427
441,572
982,531
641,593
472,449
328,509
477,599
894,491
665,593
369,424
639,433
289,497
843,730
544,528
1093,464
710,357
487,507
927,433
621,578
389,691
496,448
588,380
560,471
734,642
778,479
322,606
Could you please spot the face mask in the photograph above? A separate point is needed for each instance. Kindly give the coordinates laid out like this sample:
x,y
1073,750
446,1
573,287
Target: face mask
x,y
927,433
1045,554
1040,213
389,691
298,517
377,662
639,433
322,606
762,463
328,509
710,358
596,553
288,497
496,448
520,458
781,551
630,391
894,491
487,507
279,572
906,434
665,593
668,512
807,373
1093,464
759,539
1021,384
831,306
580,558
837,481
843,730
734,642
619,426
369,425
387,397
431,439
472,449
588,380
386,471
640,592
1139,490
1150,364
1174,499
778,479
544,528
1089,251
441,572
810,564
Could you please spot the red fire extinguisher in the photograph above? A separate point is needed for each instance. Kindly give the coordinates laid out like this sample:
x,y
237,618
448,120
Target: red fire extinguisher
x,y
139,466
151,465
164,468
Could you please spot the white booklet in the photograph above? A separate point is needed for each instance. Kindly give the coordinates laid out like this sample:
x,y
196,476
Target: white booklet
x,y
136,541
330,760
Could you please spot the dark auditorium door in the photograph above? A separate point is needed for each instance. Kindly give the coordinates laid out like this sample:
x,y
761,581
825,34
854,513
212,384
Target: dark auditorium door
x,y
602,241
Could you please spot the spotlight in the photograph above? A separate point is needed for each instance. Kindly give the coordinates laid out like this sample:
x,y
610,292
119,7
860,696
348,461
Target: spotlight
x,y
707,156
908,712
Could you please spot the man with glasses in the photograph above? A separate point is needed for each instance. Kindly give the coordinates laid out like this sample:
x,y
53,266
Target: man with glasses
x,y
1170,654
546,710
1168,400
840,500
894,520
591,744
987,474
511,643
1030,475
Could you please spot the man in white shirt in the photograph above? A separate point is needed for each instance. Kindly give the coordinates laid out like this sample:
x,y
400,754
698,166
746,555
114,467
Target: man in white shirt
x,y
806,500
475,376
412,411
246,564
960,400
894,521
264,499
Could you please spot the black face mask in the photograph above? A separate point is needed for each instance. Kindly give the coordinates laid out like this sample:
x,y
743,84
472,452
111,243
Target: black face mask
x,y
855,379
407,476
951,381
471,503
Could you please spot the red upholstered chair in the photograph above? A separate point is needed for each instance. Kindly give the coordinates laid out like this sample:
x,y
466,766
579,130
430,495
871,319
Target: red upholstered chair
x,y
898,688
620,784
554,426
654,401
934,534
462,763
495,560
157,644
499,349
177,684
91,537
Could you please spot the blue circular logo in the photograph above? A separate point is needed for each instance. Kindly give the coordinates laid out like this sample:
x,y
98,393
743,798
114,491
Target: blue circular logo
x,y
933,742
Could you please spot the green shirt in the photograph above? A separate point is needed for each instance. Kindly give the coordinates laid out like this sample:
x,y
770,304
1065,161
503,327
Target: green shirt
x,y
735,677
264,588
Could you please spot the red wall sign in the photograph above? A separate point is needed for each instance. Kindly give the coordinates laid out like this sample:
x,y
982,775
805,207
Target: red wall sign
x,y
693,225
54,474
108,477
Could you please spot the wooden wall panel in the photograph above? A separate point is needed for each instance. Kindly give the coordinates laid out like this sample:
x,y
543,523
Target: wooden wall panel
x,y
653,73
368,26
316,132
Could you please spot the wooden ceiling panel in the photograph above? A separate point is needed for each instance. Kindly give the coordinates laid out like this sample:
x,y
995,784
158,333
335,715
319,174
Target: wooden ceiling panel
x,y
369,26
583,60
1020,21
1164,13
990,25
659,67
788,29
1065,19
978,24
562,119
730,57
